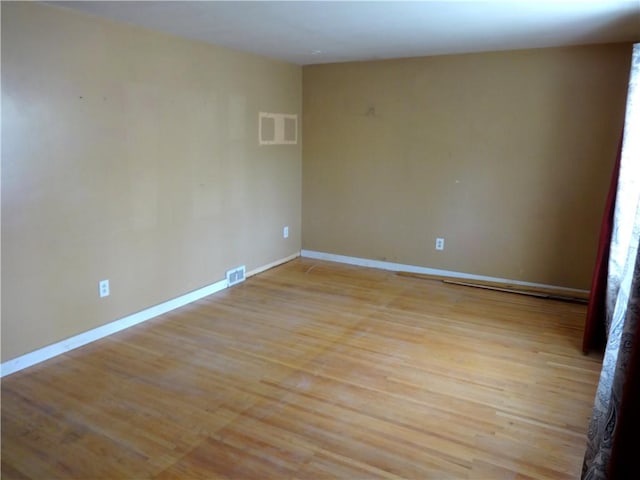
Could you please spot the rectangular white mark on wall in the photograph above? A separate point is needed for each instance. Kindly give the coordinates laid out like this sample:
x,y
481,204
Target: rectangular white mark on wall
x,y
277,129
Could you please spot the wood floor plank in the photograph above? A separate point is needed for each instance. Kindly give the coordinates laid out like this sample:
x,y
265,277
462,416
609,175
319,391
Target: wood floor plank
x,y
315,370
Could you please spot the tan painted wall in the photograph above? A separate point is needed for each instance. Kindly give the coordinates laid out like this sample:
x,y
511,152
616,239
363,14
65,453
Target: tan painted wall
x,y
133,156
506,155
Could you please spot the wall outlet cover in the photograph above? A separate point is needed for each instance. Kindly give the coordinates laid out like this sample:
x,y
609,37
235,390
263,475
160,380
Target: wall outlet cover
x,y
103,288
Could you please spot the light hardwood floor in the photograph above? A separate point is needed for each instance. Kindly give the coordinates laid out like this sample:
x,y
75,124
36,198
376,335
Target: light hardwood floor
x,y
315,370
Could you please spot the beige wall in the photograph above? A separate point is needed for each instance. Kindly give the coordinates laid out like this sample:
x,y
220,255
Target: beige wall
x,y
131,156
506,155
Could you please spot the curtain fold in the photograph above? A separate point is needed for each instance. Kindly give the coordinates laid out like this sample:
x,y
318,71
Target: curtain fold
x,y
612,435
624,452
594,330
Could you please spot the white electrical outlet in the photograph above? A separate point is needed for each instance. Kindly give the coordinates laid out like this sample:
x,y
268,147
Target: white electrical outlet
x,y
439,243
103,288
285,232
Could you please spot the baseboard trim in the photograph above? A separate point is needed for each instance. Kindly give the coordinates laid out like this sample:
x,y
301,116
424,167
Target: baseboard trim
x,y
63,346
271,265
401,267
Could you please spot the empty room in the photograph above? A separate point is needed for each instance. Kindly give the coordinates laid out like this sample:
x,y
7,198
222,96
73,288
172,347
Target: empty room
x,y
265,240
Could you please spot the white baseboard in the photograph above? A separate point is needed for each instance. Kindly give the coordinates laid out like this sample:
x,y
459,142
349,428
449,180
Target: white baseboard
x,y
269,266
401,267
50,351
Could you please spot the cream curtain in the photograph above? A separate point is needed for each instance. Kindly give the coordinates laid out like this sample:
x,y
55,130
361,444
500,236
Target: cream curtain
x,y
623,294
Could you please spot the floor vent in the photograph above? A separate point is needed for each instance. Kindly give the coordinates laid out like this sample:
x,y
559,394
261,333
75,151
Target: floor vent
x,y
235,275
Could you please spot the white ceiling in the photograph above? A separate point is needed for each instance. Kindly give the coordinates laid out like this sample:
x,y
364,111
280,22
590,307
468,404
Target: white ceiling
x,y
307,32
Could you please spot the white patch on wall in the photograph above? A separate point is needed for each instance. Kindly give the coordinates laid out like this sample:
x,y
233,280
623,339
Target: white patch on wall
x,y
277,129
